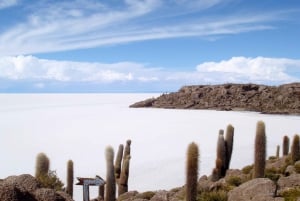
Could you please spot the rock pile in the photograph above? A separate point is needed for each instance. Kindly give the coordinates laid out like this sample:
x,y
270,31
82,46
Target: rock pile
x,y
283,99
26,188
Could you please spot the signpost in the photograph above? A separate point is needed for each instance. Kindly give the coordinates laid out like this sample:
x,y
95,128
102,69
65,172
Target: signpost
x,y
86,182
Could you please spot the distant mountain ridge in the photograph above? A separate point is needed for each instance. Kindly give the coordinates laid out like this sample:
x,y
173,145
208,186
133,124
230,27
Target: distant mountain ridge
x,y
283,99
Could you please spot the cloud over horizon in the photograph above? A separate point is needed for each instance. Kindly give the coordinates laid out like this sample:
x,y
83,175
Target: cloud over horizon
x,y
41,72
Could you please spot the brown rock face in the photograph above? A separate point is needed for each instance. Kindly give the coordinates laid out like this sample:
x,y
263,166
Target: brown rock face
x,y
26,188
262,189
284,99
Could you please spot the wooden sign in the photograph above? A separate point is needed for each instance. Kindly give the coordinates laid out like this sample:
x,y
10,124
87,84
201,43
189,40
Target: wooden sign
x,y
97,181
86,182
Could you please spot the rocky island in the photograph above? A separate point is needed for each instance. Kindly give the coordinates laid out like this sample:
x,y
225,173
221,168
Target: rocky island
x,y
283,99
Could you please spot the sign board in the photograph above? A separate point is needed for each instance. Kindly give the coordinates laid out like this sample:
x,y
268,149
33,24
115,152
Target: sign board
x,y
97,181
86,182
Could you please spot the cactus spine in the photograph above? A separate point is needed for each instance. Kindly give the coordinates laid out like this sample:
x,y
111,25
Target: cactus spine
x,y
42,165
285,145
229,145
295,150
192,172
260,151
70,177
110,187
118,161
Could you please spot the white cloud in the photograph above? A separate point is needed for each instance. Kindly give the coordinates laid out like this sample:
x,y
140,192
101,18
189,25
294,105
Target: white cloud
x,y
35,69
7,3
42,73
259,69
59,26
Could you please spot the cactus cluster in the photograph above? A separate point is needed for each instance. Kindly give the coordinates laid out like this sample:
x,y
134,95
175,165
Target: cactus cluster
x,y
224,152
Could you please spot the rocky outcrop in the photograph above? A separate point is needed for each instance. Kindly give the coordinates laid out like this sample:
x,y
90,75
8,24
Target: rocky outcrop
x,y
26,187
283,99
262,189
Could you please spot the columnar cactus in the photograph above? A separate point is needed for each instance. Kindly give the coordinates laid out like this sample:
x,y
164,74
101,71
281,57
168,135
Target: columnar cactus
x,y
110,187
277,151
42,165
229,144
70,177
118,161
295,149
191,172
123,181
260,151
221,154
285,145
127,148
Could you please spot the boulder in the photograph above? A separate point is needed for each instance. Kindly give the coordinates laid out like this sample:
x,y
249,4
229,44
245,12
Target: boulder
x,y
286,183
260,189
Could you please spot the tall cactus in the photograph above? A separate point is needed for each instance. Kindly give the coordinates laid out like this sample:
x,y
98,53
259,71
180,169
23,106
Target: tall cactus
x,y
260,151
277,151
70,177
229,144
123,181
110,187
42,165
221,154
127,148
118,161
295,149
192,172
285,145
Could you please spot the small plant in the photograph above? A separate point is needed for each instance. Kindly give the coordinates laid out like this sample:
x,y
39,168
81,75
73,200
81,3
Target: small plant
x,y
213,196
297,167
247,169
50,180
234,181
291,194
272,174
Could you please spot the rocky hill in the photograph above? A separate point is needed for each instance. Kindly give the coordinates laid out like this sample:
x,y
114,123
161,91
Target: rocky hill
x,y
283,99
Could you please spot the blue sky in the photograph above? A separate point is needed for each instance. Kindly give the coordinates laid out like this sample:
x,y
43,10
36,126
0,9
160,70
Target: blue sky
x,y
146,45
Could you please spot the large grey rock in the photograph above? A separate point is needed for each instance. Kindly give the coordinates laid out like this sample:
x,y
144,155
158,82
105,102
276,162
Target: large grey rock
x,y
260,189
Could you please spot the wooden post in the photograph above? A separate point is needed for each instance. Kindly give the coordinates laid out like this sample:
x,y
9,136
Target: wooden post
x,y
86,183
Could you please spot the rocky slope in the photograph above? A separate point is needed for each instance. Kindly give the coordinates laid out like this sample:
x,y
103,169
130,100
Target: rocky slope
x,y
26,188
282,182
283,99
